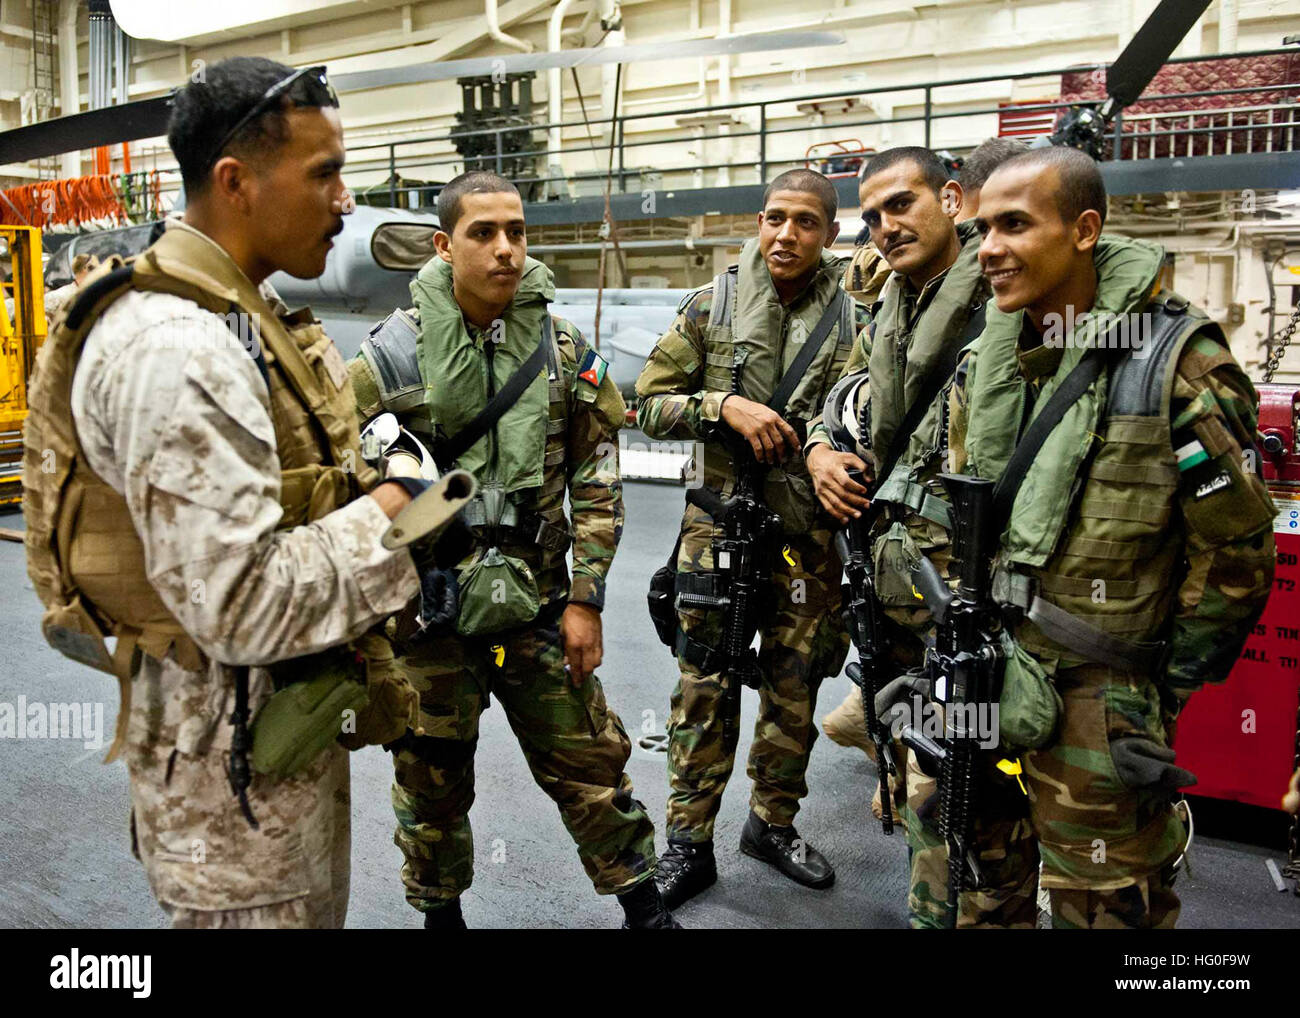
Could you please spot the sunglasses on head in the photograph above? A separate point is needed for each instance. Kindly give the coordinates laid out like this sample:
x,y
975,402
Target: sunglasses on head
x,y
307,87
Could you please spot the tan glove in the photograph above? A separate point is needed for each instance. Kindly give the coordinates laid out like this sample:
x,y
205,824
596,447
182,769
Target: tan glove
x,y
392,706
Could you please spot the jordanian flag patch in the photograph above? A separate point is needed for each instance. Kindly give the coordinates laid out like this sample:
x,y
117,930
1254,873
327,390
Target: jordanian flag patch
x,y
1191,455
593,367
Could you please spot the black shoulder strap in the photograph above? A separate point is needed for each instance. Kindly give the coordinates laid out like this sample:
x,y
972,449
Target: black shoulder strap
x,y
785,388
940,375
447,452
84,301
1076,383
91,295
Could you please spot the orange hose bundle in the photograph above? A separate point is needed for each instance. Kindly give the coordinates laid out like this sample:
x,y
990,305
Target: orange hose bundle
x,y
73,200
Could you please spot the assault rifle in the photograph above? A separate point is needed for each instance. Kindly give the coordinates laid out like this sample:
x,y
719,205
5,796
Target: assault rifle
x,y
742,557
965,669
870,671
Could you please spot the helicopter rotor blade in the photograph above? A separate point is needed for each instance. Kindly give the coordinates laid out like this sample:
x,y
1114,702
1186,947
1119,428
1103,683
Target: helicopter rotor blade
x,y
147,118
1150,47
443,70
144,118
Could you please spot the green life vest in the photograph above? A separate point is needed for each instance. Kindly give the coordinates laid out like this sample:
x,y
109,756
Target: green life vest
x,y
751,332
903,354
461,372
1092,531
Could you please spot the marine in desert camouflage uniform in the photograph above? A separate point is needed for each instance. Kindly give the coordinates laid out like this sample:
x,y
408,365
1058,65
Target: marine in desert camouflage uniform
x,y
174,415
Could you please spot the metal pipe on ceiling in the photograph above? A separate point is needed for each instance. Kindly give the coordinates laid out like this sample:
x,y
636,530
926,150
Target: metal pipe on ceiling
x,y
122,62
494,29
555,81
69,78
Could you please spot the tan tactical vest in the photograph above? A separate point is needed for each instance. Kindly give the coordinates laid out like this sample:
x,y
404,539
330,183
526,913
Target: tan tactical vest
x,y
84,557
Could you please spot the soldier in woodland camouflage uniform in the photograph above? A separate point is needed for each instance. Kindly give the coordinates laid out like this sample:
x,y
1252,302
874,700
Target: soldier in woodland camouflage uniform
x,y
756,315
1139,551
199,469
864,280
481,311
933,299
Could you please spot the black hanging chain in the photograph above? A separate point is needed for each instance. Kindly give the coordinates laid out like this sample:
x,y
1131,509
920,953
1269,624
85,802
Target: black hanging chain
x,y
1279,347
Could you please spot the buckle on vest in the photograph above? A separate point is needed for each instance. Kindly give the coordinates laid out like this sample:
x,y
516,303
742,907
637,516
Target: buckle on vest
x,y
1014,593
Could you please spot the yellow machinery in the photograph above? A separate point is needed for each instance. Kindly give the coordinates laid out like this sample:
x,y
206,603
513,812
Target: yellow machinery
x,y
22,332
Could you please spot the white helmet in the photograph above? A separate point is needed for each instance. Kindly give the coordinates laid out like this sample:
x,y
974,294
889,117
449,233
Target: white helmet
x,y
847,415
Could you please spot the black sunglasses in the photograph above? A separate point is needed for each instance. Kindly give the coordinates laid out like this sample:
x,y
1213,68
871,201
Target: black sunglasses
x,y
307,87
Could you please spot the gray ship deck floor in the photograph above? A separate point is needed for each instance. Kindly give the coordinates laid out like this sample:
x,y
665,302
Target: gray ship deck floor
x,y
66,861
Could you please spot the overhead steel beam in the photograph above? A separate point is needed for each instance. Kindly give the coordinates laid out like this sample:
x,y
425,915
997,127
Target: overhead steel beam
x,y
744,199
1256,170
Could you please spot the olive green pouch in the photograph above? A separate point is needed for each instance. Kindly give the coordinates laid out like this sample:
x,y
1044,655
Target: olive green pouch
x,y
1030,707
895,555
304,715
790,496
497,592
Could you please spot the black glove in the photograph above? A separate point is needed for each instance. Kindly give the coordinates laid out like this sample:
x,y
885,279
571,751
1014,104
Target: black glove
x,y
439,598
1144,763
900,691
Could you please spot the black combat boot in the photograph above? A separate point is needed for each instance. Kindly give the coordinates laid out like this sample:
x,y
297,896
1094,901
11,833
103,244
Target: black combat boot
x,y
685,870
645,909
445,917
784,849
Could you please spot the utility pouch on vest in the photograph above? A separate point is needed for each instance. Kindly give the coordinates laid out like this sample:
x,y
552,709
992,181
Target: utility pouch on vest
x,y
70,629
790,496
305,714
497,592
662,596
1030,706
894,555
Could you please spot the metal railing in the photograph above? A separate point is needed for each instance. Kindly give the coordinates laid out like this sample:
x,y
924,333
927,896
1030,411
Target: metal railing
x,y
1225,130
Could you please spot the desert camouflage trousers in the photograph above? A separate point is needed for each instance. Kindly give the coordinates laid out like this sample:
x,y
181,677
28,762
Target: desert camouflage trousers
x,y
208,868
1108,852
802,642
575,746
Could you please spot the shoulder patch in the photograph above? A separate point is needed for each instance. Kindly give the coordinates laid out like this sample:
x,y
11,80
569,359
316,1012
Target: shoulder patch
x,y
697,303
592,367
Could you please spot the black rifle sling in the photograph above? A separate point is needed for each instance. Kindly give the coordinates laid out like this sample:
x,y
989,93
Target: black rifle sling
x,y
447,452
785,388
940,375
1076,383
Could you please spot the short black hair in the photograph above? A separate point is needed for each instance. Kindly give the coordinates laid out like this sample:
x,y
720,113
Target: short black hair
x,y
473,182
204,110
931,166
809,182
987,157
1082,187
